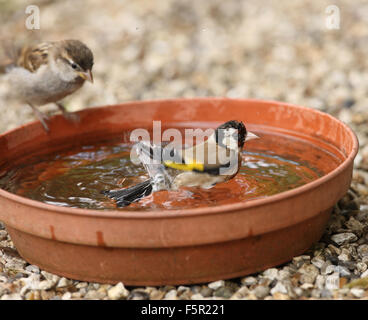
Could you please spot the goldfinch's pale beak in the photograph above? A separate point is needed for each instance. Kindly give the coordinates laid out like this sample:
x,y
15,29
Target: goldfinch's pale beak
x,y
251,136
87,76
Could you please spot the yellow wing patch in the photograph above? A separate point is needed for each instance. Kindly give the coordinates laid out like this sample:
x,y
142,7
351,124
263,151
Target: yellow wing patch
x,y
185,166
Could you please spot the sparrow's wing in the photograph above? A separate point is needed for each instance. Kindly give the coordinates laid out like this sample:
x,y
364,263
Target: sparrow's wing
x,y
32,57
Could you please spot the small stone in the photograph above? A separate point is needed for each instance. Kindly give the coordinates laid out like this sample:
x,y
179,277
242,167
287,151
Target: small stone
x,y
95,285
325,293
15,264
357,293
118,292
196,289
354,225
156,294
328,269
320,282
266,282
318,262
316,293
81,285
30,283
18,275
33,268
300,260
333,281
280,296
343,257
306,286
298,291
186,295
308,273
240,294
66,296
94,295
182,289
361,267
348,264
83,291
249,281
279,287
171,295
250,296
46,285
223,292
168,288
343,271
271,273
76,295
344,238
217,284
363,250
46,295
33,295
50,276
364,274
64,282
138,295
206,291
283,274
261,291
197,296
3,235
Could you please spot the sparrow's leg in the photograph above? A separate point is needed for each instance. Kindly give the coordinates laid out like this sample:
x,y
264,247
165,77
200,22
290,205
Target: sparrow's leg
x,y
68,115
40,116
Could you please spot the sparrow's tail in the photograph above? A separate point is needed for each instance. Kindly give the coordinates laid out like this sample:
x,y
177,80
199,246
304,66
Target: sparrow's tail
x,y
125,197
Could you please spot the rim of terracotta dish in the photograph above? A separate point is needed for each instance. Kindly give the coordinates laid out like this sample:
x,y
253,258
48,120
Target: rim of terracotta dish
x,y
152,214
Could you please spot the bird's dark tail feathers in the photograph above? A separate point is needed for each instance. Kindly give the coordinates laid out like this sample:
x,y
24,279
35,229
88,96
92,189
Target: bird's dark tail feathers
x,y
125,197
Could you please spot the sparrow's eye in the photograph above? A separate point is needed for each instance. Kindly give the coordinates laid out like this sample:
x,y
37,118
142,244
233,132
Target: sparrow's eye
x,y
74,65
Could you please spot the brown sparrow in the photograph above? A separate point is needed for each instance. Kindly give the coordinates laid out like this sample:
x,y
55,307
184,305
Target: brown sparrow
x,y
48,72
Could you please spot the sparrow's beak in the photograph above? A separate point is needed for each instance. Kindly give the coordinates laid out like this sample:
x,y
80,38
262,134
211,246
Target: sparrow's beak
x,y
87,76
251,136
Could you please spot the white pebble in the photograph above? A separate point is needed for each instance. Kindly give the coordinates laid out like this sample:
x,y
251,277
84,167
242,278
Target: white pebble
x,y
279,287
217,284
364,274
66,296
171,295
118,292
357,292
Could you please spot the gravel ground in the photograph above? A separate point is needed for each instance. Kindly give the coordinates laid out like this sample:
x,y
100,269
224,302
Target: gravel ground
x,y
259,49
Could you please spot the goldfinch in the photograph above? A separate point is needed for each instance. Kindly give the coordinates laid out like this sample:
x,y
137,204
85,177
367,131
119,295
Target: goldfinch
x,y
213,161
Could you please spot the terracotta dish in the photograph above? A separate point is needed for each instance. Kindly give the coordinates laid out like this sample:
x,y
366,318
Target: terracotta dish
x,y
176,246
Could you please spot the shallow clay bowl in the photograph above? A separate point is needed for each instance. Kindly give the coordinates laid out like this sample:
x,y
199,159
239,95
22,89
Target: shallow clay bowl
x,y
180,246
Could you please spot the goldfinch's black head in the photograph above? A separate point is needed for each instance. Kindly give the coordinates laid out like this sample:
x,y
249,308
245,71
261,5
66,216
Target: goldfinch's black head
x,y
231,133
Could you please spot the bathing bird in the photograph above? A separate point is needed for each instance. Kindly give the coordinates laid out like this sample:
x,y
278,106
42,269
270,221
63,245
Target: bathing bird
x,y
204,165
48,72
